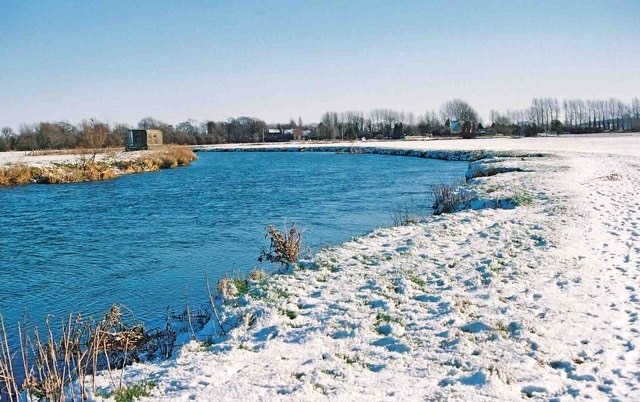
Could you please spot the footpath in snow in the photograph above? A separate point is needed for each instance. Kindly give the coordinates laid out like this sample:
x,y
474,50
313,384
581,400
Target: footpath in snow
x,y
539,301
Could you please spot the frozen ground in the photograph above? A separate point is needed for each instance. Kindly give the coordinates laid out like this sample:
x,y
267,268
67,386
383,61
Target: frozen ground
x,y
49,158
539,301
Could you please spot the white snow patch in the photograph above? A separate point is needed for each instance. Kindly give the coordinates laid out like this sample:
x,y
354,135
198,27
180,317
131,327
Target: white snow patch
x,y
538,301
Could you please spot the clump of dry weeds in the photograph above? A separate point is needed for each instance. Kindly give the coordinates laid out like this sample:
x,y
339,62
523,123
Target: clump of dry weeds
x,y
284,245
167,158
50,363
89,169
17,174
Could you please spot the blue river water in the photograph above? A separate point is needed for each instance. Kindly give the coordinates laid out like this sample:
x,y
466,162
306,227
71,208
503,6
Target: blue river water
x,y
144,240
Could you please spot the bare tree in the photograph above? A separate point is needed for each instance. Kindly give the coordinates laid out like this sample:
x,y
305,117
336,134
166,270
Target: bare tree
x,y
463,112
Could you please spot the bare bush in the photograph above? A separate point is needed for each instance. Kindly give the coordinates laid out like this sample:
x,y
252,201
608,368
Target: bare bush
x,y
403,216
284,245
448,198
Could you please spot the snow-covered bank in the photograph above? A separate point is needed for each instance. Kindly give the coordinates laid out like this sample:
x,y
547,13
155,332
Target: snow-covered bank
x,y
537,301
43,159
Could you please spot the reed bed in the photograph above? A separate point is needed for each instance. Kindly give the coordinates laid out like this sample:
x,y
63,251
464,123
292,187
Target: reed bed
x,y
17,174
51,363
88,169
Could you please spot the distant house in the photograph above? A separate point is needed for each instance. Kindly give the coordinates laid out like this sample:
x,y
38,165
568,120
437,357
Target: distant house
x,y
300,133
143,139
278,135
455,127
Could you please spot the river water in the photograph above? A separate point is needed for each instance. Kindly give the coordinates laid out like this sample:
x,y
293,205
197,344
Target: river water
x,y
146,240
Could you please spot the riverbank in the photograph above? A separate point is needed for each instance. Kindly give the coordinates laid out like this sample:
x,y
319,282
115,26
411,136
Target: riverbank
x,y
17,168
491,304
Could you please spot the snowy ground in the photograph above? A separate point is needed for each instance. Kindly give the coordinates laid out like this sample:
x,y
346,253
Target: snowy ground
x,y
49,158
540,301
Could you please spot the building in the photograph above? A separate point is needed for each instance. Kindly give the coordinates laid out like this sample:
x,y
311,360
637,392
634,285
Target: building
x,y
143,139
455,127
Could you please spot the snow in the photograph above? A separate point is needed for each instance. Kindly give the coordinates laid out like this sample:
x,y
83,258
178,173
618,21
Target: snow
x,y
531,293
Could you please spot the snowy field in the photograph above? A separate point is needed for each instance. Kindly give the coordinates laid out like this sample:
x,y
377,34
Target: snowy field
x,y
535,302
49,158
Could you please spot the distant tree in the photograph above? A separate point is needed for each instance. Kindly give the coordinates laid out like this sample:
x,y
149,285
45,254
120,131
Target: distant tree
x,y
557,127
245,129
397,132
216,133
150,123
95,135
463,112
118,135
6,137
328,127
635,108
430,123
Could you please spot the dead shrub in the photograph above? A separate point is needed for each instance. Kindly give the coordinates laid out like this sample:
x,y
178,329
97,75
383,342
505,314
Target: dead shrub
x,y
284,245
448,198
257,274
226,287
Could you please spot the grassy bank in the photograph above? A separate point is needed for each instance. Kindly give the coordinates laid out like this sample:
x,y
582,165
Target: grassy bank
x,y
88,169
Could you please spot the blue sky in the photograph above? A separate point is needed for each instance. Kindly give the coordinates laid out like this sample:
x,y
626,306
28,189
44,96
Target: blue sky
x,y
120,61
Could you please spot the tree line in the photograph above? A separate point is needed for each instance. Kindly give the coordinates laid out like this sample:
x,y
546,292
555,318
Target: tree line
x,y
455,117
575,116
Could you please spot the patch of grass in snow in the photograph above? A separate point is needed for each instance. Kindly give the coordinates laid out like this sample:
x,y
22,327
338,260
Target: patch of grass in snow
x,y
348,359
418,281
257,274
131,392
384,317
522,198
502,327
281,293
242,286
290,313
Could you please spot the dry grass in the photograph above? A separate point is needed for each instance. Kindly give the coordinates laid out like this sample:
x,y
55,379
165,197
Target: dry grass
x,y
50,363
257,274
88,169
76,173
167,158
284,245
17,174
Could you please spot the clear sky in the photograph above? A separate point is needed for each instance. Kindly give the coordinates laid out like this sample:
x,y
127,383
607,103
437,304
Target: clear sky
x,y
120,61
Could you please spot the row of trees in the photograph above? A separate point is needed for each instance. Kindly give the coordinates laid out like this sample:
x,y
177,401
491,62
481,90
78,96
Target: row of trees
x,y
95,134
388,123
454,117
579,116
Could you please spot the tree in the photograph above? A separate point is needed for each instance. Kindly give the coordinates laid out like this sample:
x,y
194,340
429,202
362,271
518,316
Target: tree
x,y
6,138
430,123
463,112
94,137
556,126
150,123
